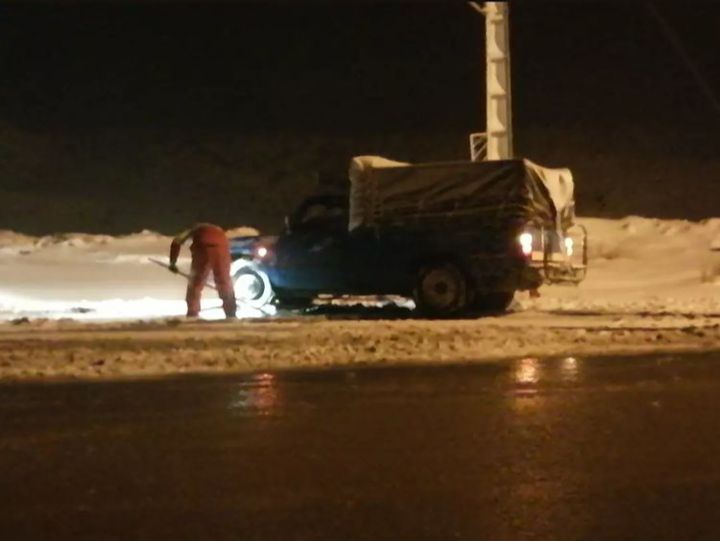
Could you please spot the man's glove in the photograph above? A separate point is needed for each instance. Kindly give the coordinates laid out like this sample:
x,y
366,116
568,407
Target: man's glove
x,y
173,268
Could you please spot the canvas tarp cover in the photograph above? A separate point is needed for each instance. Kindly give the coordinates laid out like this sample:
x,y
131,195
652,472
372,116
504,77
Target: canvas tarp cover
x,y
452,194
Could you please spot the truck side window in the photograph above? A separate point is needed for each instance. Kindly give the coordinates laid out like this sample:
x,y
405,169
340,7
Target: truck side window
x,y
322,216
314,213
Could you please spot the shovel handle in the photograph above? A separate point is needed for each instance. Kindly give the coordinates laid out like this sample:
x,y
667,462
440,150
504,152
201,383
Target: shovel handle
x,y
181,273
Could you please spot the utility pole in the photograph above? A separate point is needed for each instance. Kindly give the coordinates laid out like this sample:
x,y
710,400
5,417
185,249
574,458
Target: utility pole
x,y
498,102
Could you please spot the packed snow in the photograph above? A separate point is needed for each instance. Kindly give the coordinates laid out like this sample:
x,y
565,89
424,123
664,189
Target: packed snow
x,y
88,305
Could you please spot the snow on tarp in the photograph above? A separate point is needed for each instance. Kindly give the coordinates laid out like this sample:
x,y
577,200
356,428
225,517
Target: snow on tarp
x,y
385,193
560,186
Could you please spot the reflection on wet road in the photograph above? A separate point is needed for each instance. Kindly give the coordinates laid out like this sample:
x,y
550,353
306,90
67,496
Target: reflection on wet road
x,y
566,448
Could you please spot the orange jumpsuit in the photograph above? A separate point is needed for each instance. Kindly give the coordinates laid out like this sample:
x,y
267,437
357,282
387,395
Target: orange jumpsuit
x,y
210,251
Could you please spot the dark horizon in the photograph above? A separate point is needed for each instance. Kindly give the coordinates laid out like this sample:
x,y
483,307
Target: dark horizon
x,y
362,67
115,104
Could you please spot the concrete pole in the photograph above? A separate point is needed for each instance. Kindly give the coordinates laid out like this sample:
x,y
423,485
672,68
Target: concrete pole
x,y
498,92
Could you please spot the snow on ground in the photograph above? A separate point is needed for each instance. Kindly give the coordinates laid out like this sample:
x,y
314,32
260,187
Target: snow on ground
x,y
644,266
94,277
62,348
652,285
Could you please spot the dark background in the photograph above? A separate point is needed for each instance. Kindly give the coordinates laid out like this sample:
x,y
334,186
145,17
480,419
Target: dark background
x,y
116,117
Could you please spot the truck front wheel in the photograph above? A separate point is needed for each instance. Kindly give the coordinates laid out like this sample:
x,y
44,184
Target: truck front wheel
x,y
441,290
251,284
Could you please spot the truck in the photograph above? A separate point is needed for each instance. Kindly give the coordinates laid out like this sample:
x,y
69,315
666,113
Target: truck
x,y
455,237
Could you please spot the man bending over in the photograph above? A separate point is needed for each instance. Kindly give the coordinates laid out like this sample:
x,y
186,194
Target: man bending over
x,y
210,251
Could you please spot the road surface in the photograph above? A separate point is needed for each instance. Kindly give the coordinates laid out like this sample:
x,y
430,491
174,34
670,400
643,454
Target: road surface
x,y
558,449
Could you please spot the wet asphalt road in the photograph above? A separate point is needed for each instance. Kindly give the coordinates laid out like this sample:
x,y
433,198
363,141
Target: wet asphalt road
x,y
533,449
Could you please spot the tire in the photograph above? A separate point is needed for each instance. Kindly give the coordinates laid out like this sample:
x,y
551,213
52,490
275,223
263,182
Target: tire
x,y
251,285
441,290
495,302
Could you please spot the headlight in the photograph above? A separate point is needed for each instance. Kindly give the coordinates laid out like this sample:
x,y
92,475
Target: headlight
x,y
569,246
526,243
261,252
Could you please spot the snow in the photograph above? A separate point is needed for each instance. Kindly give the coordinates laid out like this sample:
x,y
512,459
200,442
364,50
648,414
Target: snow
x,y
94,277
94,305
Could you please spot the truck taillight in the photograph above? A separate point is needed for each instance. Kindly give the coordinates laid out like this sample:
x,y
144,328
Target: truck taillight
x,y
526,243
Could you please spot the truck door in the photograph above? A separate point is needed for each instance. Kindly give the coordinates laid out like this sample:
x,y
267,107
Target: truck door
x,y
313,254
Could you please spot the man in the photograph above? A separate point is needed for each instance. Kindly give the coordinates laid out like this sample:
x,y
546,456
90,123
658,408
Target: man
x,y
210,251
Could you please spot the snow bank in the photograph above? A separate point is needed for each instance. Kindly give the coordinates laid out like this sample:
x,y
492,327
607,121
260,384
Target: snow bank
x,y
45,348
242,232
652,286
10,238
643,266
12,243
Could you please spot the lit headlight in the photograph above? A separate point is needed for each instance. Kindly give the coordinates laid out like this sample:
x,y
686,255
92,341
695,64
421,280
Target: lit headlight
x,y
261,252
569,246
526,243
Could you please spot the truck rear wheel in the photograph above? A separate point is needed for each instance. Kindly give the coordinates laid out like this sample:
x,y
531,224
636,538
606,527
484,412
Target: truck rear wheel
x,y
441,290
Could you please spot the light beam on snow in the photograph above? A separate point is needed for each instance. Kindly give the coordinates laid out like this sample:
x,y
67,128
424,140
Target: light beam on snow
x,y
13,306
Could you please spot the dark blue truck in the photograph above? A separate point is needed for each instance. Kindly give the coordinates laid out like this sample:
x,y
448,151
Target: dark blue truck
x,y
455,237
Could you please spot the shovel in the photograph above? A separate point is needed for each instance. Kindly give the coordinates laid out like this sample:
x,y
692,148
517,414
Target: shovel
x,y
181,273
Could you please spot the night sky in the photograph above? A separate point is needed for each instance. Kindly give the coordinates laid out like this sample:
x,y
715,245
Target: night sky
x,y
242,67
72,71
327,68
